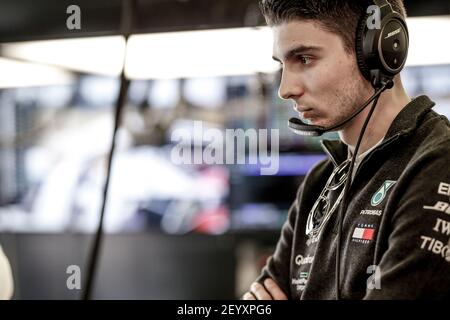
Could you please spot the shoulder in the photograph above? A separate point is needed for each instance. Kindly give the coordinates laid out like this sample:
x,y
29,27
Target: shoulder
x,y
433,133
431,143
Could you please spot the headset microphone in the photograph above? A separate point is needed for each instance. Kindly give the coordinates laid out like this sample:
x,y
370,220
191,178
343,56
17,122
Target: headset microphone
x,y
301,128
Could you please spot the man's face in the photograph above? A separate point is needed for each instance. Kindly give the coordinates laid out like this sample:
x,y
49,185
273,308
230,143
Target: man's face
x,y
318,74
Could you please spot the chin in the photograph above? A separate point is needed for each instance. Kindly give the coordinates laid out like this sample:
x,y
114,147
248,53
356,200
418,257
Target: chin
x,y
318,122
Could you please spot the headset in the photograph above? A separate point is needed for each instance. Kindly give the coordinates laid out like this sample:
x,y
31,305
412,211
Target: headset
x,y
381,54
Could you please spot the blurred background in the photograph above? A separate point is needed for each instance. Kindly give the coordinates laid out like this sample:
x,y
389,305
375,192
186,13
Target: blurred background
x,y
172,231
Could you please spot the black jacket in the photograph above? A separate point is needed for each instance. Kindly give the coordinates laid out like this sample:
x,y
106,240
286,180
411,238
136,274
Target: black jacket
x,y
396,229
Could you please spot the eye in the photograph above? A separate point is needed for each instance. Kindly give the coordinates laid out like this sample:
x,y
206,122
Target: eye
x,y
304,60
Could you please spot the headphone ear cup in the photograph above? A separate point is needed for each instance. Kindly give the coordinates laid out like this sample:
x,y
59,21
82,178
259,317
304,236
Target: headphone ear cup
x,y
393,45
359,50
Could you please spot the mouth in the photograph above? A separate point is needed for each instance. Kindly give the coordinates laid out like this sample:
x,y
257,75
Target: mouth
x,y
310,115
304,112
301,109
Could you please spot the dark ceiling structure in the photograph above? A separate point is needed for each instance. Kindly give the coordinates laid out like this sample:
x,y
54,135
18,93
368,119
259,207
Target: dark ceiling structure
x,y
22,20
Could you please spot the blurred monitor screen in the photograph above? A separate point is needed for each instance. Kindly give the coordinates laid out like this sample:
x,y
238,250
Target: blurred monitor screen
x,y
262,202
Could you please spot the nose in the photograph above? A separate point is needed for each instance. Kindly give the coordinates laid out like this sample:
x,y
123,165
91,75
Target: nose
x,y
291,86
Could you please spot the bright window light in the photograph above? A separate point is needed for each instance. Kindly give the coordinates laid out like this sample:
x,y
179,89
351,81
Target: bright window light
x,y
14,74
428,43
193,54
206,53
98,55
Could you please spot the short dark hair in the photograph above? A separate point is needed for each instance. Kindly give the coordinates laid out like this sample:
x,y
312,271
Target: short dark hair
x,y
338,16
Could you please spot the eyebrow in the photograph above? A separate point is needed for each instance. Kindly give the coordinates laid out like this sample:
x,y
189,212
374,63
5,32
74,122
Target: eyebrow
x,y
296,51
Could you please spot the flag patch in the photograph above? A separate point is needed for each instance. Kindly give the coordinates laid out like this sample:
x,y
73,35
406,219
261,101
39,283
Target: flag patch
x,y
363,233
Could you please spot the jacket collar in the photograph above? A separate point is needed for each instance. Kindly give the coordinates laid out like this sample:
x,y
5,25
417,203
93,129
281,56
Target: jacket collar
x,y
404,124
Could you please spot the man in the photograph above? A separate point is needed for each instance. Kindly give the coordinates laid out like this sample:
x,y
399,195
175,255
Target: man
x,y
396,225
6,283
